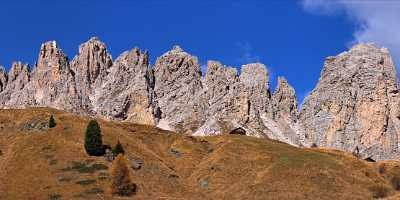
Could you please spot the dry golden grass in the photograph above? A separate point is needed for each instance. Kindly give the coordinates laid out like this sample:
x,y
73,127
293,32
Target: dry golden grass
x,y
52,164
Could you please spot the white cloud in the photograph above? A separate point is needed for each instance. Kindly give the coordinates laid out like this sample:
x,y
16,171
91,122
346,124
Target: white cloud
x,y
375,20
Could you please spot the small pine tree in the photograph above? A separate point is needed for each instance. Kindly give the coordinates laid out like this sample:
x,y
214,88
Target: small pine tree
x,y
121,177
93,140
118,149
52,122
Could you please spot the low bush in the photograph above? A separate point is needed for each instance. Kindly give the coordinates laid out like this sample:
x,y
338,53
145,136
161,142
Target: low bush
x,y
99,166
379,191
395,180
94,191
86,182
53,162
382,169
118,149
85,167
54,197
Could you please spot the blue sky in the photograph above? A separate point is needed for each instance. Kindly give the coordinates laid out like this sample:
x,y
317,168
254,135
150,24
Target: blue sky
x,y
291,37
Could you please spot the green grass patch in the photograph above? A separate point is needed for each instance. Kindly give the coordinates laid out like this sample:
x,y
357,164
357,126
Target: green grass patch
x,y
86,182
85,167
64,179
94,191
53,162
99,166
54,197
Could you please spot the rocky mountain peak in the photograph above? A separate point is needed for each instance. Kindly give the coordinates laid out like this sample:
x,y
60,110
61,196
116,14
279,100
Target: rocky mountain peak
x,y
284,101
135,57
18,76
92,61
128,92
3,78
354,86
218,72
90,67
354,107
52,57
255,76
176,49
178,80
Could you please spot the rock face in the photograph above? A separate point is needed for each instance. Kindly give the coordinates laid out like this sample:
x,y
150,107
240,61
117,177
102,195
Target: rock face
x,y
90,67
284,102
354,107
218,98
177,85
17,78
3,79
50,84
127,92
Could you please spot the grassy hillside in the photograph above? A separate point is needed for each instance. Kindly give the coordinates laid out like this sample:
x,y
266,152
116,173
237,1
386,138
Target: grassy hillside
x,y
51,164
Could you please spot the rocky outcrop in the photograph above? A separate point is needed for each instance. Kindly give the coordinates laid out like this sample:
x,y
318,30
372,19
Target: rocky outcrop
x,y
218,97
282,118
50,84
284,102
53,82
244,101
18,76
127,92
355,106
90,67
232,101
3,79
254,97
177,86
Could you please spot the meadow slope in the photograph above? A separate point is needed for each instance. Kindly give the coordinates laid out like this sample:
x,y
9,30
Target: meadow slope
x,y
51,164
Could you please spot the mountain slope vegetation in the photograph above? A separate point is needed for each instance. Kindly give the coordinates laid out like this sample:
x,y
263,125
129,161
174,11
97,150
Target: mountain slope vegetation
x,y
37,162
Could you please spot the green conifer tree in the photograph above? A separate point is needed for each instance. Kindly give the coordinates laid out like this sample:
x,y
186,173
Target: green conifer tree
x,y
52,122
93,140
118,149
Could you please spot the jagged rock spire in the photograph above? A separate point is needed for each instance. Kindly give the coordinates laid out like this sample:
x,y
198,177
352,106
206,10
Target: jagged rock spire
x,y
52,57
3,78
90,67
356,103
51,83
177,83
284,101
18,76
219,80
128,92
92,62
254,80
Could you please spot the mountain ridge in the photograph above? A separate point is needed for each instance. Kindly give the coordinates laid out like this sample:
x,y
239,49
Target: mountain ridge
x,y
174,95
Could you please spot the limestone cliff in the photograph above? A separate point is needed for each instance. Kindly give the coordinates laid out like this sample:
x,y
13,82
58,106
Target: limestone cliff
x,y
354,107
